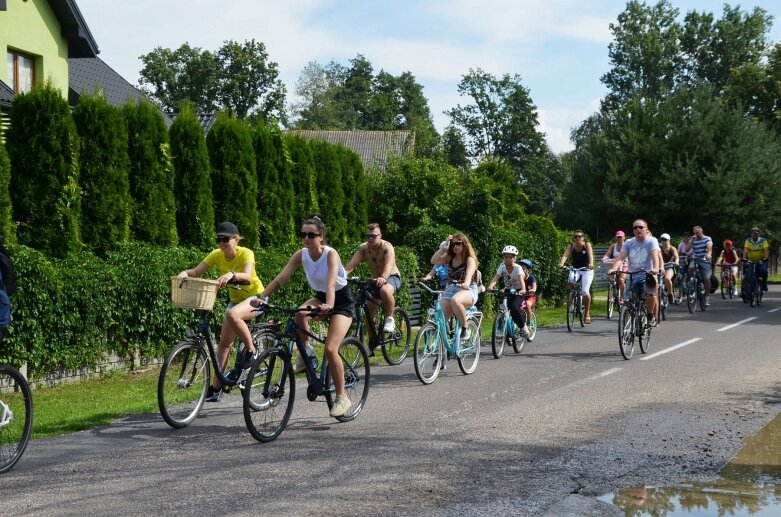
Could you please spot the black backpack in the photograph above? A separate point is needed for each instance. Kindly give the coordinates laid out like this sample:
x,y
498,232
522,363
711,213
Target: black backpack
x,y
8,283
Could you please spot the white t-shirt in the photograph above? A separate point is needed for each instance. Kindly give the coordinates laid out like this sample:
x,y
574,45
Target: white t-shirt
x,y
640,253
317,272
512,279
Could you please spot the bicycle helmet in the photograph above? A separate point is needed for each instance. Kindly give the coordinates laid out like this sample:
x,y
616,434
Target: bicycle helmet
x,y
528,263
755,229
512,250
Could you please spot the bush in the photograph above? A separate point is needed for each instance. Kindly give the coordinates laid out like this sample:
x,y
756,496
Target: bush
x,y
6,219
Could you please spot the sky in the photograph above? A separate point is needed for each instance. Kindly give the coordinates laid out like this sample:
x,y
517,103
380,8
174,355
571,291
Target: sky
x,y
559,48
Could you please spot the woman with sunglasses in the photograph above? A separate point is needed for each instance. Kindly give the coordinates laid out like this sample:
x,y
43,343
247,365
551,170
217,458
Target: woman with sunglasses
x,y
582,257
235,264
325,274
457,253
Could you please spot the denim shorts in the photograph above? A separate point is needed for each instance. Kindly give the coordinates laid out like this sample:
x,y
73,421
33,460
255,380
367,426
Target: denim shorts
x,y
393,280
452,289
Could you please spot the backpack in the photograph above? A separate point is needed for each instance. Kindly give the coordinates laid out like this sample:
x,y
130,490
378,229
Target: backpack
x,y
7,273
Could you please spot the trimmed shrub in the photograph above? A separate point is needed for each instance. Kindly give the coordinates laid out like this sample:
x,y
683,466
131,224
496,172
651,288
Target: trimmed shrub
x,y
329,184
43,147
303,173
105,205
192,181
275,188
6,219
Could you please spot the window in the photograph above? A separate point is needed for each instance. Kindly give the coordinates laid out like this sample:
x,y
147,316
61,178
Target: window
x,y
21,72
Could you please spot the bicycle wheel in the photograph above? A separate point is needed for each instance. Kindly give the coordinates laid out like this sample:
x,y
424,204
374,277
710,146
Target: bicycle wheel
x,y
263,339
571,309
470,351
612,292
725,287
355,361
679,287
663,305
532,324
498,335
428,354
701,294
395,344
269,395
626,336
691,294
643,331
16,416
580,310
181,387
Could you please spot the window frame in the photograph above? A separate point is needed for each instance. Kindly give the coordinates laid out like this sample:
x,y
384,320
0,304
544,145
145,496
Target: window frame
x,y
14,79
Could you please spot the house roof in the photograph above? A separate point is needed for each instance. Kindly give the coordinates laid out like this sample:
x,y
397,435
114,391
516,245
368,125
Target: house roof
x,y
372,146
89,74
74,29
6,95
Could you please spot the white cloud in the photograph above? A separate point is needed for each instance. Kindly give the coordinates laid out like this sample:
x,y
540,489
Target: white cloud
x,y
557,123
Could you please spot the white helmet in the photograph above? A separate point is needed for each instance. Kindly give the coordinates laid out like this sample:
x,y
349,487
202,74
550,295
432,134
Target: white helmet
x,y
512,250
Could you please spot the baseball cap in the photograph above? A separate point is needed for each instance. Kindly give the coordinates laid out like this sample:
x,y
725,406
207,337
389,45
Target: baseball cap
x,y
620,233
685,234
664,236
227,229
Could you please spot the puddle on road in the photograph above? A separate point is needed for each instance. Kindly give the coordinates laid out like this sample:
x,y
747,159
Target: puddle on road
x,y
750,484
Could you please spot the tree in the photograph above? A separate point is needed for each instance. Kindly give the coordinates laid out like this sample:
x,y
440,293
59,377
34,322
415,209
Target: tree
x,y
454,147
43,147
192,181
756,89
316,88
151,175
238,77
234,177
105,205
329,186
6,217
276,224
303,171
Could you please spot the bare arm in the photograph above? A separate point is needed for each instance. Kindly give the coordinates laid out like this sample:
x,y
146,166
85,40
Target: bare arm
x,y
590,252
195,272
621,257
609,253
440,258
357,258
493,281
471,267
567,253
330,285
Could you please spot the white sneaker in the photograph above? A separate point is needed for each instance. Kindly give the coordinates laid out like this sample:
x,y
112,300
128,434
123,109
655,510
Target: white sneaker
x,y
526,331
340,407
389,325
707,301
734,291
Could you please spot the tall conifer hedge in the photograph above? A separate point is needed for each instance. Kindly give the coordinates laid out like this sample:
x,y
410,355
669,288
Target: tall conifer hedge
x,y
275,188
303,173
329,185
6,219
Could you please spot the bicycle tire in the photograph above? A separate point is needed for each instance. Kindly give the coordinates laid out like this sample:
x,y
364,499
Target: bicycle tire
x,y
499,336
15,433
643,331
571,310
181,388
270,395
263,339
532,324
724,285
428,354
678,290
357,374
691,293
580,310
663,302
701,294
611,295
469,355
626,329
395,345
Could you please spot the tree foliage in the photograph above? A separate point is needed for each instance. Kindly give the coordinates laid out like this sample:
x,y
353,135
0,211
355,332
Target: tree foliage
x,y
238,78
43,146
276,224
105,205
330,194
192,181
6,218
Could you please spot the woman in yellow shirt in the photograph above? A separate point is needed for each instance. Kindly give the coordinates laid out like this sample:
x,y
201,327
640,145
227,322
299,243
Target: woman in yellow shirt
x,y
235,263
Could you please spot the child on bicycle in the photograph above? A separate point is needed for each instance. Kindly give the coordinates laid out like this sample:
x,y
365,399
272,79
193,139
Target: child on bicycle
x,y
513,277
531,290
729,259
440,272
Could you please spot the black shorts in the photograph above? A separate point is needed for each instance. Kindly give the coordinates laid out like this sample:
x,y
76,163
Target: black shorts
x,y
343,304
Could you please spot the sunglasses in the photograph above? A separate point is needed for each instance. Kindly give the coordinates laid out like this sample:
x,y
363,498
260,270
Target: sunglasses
x,y
221,239
372,236
458,243
308,235
638,227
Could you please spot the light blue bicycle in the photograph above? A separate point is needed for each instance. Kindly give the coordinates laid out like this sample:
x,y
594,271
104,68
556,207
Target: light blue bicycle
x,y
435,344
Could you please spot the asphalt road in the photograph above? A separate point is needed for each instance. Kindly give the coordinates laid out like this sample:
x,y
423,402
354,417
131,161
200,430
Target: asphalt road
x,y
567,416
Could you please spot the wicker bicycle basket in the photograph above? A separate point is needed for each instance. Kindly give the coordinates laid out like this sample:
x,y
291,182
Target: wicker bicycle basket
x,y
193,293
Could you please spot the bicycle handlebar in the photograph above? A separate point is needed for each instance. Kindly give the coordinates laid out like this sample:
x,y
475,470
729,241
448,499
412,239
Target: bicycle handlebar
x,y
290,311
427,288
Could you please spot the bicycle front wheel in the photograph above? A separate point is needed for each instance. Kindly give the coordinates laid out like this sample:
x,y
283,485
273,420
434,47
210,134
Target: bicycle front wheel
x,y
725,288
701,294
643,331
498,335
263,339
16,416
532,324
181,387
355,361
470,351
429,355
626,336
269,395
691,294
571,310
679,286
395,345
612,294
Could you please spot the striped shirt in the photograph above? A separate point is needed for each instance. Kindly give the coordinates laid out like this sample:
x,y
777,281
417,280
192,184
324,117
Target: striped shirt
x,y
700,247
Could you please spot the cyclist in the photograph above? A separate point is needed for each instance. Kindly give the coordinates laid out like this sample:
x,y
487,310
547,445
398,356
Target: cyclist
x,y
457,253
513,278
235,264
642,252
582,257
669,260
756,249
381,258
531,289
729,258
440,272
610,257
701,247
326,275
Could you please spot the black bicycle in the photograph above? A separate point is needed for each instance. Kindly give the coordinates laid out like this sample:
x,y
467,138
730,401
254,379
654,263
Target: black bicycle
x,y
751,290
394,345
664,299
16,416
633,320
695,289
270,387
575,299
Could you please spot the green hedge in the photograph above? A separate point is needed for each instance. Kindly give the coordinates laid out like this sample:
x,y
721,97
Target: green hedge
x,y
68,313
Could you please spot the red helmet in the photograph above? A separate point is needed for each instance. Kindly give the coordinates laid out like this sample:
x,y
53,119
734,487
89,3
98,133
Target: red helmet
x,y
728,243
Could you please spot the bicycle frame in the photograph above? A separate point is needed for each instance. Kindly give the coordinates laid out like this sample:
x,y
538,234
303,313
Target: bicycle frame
x,y
437,317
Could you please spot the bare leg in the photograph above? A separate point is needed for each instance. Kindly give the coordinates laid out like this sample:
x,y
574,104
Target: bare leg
x,y
337,330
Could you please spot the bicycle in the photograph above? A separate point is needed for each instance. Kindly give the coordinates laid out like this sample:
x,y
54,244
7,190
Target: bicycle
x,y
727,285
695,290
505,329
613,292
269,393
679,281
663,299
394,345
433,343
633,321
752,289
16,416
186,372
575,300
